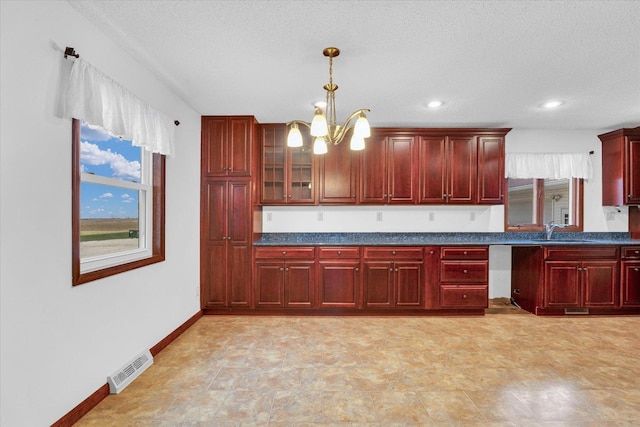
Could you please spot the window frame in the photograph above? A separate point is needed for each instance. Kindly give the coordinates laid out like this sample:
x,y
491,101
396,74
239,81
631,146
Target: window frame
x,y
577,208
157,213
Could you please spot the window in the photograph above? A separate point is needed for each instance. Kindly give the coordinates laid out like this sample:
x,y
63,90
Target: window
x,y
532,203
118,204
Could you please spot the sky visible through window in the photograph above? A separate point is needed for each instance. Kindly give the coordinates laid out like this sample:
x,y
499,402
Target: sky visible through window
x,y
105,155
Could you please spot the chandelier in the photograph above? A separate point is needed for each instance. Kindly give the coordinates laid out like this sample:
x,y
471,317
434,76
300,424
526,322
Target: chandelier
x,y
325,129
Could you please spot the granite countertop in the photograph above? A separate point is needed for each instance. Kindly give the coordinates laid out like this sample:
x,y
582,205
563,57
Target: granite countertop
x,y
425,239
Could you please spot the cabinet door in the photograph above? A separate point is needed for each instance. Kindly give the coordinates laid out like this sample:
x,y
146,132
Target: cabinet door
x,y
300,175
214,208
338,181
462,161
630,283
239,212
238,281
214,147
273,150
491,170
213,276
339,284
378,284
408,284
432,277
562,284
299,284
600,283
269,282
432,152
373,171
632,171
402,165
240,142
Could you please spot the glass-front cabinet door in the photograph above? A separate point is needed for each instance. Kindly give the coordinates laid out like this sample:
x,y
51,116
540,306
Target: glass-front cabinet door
x,y
288,174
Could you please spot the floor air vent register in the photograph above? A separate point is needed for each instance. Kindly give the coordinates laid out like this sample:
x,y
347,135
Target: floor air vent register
x,y
125,375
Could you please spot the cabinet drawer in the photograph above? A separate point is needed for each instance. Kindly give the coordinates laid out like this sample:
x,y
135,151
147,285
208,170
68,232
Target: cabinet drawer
x,y
464,271
285,252
393,253
580,252
481,252
339,252
453,296
631,252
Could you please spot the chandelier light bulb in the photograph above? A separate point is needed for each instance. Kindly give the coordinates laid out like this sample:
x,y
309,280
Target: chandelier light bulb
x,y
319,124
320,146
362,129
357,144
294,139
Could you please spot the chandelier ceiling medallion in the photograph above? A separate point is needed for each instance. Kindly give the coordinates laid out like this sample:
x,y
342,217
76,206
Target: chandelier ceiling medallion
x,y
327,131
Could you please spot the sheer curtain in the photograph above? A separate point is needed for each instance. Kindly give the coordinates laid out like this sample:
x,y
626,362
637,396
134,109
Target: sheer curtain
x,y
99,100
548,165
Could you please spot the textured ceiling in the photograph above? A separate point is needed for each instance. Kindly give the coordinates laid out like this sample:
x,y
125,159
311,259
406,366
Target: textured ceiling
x,y
493,63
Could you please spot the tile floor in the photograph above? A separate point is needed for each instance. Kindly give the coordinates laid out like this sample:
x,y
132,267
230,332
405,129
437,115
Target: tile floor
x,y
496,370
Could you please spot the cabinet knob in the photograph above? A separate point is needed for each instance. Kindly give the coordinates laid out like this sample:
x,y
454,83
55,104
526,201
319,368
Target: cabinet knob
x,y
465,252
289,195
636,252
339,252
286,269
636,269
281,268
396,269
353,196
430,252
284,252
393,252
464,296
390,268
628,196
465,271
357,268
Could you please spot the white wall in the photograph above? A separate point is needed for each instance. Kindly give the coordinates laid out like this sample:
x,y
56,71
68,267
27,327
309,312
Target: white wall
x,y
59,343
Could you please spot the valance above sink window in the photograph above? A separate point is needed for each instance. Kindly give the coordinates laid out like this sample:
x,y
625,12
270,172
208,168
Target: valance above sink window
x,y
548,165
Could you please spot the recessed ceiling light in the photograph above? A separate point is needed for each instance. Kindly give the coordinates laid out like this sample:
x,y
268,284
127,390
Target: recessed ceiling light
x,y
552,104
435,104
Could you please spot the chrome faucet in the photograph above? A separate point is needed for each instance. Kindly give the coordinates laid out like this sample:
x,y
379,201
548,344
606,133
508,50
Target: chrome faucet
x,y
550,228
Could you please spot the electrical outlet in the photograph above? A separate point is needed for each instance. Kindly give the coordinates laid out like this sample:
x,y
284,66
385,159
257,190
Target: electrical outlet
x,y
378,216
611,216
432,216
320,216
472,216
269,217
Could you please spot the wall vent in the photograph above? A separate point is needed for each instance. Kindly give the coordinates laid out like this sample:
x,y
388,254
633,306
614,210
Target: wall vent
x,y
576,311
129,372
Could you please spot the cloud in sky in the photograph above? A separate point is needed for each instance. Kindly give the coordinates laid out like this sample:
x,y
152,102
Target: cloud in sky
x,y
122,168
106,196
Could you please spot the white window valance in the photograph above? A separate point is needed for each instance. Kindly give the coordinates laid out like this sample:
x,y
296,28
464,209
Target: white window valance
x,y
548,165
99,100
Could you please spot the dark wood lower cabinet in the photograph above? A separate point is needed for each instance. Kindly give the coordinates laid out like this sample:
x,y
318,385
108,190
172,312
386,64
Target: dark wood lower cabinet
x,y
282,284
591,279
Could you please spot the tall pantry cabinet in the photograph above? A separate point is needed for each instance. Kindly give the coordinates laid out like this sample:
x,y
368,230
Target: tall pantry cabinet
x,y
227,199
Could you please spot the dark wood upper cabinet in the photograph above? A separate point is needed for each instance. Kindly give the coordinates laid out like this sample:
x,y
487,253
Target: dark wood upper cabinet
x,y
621,167
447,169
227,145
289,175
338,175
388,169
491,179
